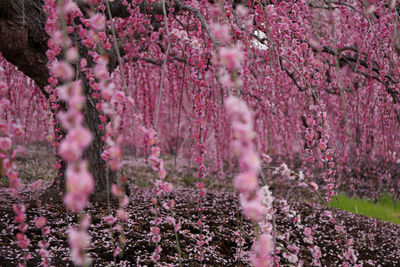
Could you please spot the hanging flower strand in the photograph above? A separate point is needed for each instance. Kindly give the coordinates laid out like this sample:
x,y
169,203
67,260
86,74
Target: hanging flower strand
x,y
246,183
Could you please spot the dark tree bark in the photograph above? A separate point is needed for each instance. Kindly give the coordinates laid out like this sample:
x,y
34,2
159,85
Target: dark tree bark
x,y
2,171
23,42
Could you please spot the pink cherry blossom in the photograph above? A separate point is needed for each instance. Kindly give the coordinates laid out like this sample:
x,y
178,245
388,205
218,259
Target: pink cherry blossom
x,y
78,241
231,58
62,70
246,182
40,222
5,143
98,22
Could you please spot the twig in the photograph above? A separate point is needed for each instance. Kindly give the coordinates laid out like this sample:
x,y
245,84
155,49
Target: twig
x,y
164,65
203,22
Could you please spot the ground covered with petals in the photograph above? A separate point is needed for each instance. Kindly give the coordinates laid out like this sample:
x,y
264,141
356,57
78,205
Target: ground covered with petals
x,y
375,242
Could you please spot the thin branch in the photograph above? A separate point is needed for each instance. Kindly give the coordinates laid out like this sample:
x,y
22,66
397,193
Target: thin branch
x,y
164,65
203,22
116,48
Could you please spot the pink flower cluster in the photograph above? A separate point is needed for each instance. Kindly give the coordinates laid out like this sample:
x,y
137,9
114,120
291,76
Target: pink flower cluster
x,y
8,151
79,181
160,187
246,183
317,143
22,240
262,249
231,58
79,240
80,185
112,105
44,253
249,163
9,167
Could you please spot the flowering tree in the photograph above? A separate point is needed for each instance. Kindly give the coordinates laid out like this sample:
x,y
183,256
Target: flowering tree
x,y
304,50
311,80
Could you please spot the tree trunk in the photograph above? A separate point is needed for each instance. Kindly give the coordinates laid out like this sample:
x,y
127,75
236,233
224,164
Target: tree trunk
x,y
23,42
2,171
97,165
93,153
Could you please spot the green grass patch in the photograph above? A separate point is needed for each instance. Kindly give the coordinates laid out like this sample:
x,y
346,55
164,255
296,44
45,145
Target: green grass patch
x,y
385,209
4,181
